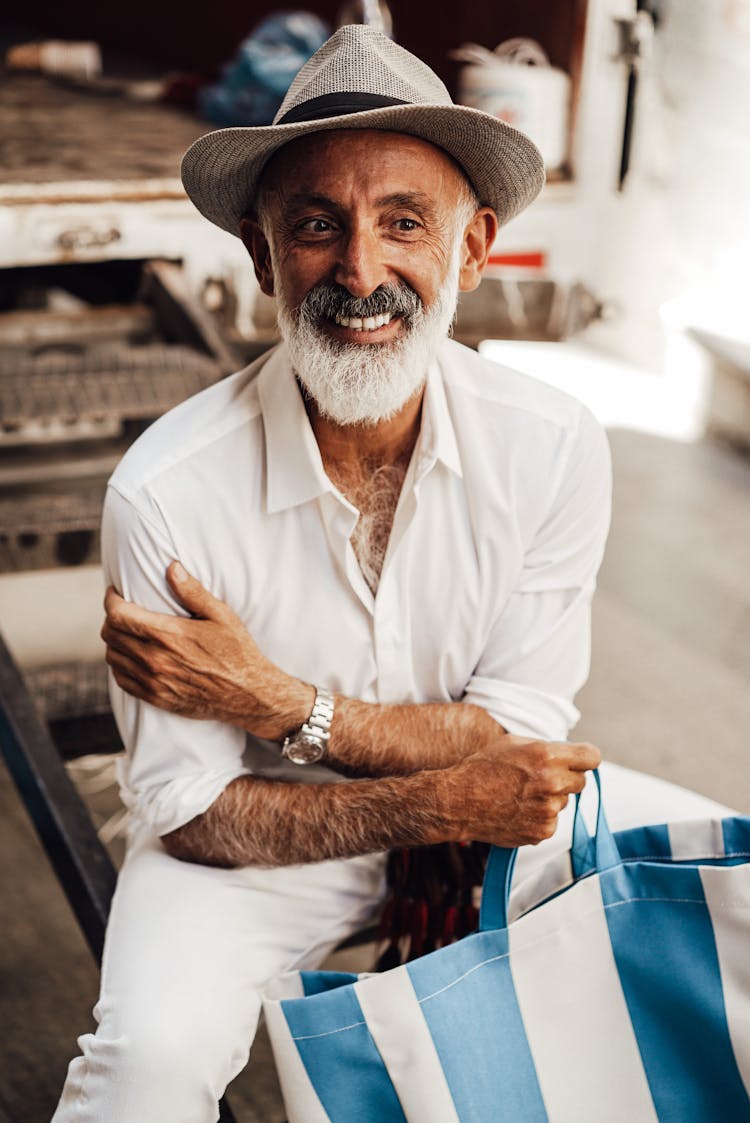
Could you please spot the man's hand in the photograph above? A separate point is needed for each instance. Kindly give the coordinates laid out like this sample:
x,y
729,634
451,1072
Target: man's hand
x,y
203,666
513,794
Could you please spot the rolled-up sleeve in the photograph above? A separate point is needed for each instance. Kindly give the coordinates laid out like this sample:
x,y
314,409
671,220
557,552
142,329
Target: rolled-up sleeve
x,y
174,767
538,652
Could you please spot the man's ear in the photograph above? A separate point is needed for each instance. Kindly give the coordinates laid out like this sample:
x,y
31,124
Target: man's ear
x,y
478,239
257,246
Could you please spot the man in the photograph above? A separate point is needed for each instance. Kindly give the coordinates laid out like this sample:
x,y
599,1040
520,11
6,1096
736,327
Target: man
x,y
389,550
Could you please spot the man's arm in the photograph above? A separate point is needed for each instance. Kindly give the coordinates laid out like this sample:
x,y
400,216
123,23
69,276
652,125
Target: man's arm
x,y
510,799
462,776
446,771
208,666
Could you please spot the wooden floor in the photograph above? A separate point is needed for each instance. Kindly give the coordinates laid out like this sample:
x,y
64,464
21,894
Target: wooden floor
x,y
669,691
668,694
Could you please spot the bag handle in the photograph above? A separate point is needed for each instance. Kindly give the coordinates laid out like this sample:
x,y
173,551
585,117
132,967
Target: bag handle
x,y
587,855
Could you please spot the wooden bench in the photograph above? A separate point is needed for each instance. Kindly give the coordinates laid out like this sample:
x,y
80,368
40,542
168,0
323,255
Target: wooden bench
x,y
61,819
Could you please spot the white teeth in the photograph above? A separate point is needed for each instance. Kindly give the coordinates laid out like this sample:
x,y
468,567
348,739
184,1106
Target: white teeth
x,y
368,324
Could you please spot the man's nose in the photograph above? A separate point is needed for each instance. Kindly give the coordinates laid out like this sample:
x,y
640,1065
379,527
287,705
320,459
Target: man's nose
x,y
361,267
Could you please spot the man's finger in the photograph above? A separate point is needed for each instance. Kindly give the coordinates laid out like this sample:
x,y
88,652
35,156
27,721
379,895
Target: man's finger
x,y
118,656
192,595
583,757
574,782
130,685
131,618
545,829
124,643
112,600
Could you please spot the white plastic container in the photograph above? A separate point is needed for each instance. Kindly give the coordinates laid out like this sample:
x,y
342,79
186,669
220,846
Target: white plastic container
x,y
517,84
57,56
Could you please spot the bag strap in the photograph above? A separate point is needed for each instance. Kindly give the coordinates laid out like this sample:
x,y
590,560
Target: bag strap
x,y
587,855
592,855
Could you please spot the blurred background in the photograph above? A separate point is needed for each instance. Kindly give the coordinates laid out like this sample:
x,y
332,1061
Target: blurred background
x,y
625,284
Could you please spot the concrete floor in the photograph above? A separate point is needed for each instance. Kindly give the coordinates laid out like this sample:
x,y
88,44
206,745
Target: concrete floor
x,y
668,694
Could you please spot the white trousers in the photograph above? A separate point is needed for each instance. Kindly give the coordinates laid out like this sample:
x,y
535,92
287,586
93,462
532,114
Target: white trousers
x,y
189,949
187,952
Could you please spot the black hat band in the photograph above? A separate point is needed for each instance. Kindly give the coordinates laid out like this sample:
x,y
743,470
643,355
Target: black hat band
x,y
336,105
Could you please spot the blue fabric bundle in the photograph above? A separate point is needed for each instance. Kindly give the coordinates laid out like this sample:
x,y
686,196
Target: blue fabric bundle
x,y
253,85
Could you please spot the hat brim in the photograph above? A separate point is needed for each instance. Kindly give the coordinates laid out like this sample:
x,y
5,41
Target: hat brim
x,y
221,170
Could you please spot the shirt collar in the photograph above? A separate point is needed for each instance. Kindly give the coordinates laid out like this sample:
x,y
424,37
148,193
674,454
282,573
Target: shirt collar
x,y
294,469
437,440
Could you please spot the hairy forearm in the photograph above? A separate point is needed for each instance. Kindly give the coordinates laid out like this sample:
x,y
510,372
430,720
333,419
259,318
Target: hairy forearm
x,y
507,798
380,740
270,823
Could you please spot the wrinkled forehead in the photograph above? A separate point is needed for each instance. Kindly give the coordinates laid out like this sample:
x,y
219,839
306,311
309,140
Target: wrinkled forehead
x,y
331,156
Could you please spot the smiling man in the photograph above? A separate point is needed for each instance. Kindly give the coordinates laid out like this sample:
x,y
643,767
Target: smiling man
x,y
414,234
389,550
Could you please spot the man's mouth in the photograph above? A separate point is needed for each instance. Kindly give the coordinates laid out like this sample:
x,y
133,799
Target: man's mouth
x,y
370,323
381,317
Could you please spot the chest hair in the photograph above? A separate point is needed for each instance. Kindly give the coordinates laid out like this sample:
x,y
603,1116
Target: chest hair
x,y
374,492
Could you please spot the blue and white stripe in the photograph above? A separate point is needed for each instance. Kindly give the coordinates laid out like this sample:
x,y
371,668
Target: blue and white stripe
x,y
625,999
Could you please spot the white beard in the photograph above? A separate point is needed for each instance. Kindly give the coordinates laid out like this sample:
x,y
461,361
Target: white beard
x,y
363,384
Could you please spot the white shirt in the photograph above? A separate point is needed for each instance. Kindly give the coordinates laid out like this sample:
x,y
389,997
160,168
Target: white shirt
x,y
485,590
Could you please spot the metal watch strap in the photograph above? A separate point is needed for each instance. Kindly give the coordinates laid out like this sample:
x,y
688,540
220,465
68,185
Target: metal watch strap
x,y
318,724
308,744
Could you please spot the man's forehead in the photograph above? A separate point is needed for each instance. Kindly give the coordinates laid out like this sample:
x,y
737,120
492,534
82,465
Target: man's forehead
x,y
329,153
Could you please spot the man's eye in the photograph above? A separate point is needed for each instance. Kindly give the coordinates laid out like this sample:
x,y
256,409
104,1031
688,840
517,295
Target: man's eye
x,y
315,226
406,225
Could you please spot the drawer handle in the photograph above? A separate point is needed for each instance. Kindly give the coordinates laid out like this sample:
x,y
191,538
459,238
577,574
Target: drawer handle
x,y
87,237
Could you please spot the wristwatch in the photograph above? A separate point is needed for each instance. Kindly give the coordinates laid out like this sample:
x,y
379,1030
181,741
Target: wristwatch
x,y
308,745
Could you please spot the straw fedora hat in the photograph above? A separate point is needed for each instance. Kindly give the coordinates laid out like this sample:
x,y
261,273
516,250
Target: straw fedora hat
x,y
360,79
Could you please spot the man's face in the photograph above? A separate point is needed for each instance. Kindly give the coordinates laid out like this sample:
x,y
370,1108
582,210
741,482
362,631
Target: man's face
x,y
366,254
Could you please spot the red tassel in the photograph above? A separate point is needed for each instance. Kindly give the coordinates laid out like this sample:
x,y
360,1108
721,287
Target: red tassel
x,y
418,929
448,934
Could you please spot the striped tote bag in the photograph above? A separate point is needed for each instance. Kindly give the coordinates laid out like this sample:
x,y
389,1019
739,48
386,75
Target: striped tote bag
x,y
621,996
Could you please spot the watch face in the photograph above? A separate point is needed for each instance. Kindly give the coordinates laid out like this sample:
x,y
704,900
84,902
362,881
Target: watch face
x,y
304,750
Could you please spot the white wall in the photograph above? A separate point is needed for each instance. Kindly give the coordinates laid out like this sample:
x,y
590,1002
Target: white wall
x,y
677,231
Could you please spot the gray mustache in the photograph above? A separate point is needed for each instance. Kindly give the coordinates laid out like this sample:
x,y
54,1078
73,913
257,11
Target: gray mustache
x,y
327,301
